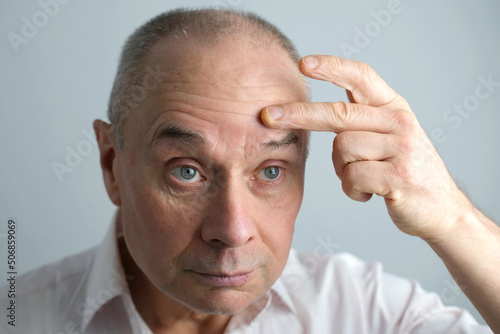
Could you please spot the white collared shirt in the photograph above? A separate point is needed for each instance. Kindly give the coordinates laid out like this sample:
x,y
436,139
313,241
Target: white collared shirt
x,y
88,293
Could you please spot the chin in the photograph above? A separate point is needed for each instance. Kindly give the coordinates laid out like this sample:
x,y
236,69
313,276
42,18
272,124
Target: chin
x,y
224,302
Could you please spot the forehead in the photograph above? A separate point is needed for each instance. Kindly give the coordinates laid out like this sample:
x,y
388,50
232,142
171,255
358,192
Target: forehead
x,y
221,86
233,61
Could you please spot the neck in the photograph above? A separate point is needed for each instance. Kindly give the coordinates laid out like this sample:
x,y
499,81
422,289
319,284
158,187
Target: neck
x,y
161,313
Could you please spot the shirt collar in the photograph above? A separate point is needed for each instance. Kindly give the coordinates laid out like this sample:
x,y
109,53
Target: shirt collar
x,y
280,288
282,295
106,276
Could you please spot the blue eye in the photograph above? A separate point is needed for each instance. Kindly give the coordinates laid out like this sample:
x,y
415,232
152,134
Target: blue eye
x,y
271,173
186,174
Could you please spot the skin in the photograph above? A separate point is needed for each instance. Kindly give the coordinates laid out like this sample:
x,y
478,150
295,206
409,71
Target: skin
x,y
232,220
181,239
381,149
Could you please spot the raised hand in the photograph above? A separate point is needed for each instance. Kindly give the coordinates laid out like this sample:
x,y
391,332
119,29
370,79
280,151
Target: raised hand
x,y
380,147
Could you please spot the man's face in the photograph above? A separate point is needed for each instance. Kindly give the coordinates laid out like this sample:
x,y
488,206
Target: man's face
x,y
208,194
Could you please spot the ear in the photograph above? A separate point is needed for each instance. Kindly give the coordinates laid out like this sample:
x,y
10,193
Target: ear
x,y
109,158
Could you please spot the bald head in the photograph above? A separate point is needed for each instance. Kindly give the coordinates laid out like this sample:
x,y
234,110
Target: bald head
x,y
208,28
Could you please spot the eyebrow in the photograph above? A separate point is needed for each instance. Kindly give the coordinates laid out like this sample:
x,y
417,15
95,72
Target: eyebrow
x,y
291,138
176,132
187,136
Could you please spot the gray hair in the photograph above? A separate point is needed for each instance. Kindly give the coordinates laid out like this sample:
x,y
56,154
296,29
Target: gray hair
x,y
210,24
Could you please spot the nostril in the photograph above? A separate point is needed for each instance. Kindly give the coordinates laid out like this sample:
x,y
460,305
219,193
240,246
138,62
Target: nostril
x,y
230,234
218,243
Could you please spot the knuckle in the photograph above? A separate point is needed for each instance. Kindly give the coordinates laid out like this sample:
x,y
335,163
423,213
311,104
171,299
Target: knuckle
x,y
406,147
367,73
347,185
340,143
343,114
339,153
337,165
351,184
349,175
405,121
367,79
403,171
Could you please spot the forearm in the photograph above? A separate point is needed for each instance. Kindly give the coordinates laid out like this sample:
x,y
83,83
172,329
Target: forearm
x,y
471,252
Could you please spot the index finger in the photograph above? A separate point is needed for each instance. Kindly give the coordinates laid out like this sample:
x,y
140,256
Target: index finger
x,y
332,116
364,84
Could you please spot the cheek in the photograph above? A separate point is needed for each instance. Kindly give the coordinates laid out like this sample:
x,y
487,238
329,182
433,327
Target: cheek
x,y
277,219
152,209
157,228
287,205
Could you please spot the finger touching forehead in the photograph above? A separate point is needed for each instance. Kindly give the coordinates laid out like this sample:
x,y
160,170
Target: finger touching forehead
x,y
210,79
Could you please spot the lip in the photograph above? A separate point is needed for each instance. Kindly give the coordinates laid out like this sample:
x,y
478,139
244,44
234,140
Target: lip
x,y
222,280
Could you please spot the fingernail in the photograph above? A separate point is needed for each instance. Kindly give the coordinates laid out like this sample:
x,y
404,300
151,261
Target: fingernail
x,y
311,62
275,112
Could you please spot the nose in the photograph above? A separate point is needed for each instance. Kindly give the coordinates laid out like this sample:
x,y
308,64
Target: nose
x,y
230,222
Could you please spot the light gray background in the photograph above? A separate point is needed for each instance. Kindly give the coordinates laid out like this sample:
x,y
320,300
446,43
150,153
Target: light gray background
x,y
51,90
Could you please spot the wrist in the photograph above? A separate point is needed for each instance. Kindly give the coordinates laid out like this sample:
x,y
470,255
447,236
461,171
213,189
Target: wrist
x,y
460,220
469,228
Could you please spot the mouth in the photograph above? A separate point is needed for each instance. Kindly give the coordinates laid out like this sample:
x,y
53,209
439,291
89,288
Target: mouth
x,y
223,280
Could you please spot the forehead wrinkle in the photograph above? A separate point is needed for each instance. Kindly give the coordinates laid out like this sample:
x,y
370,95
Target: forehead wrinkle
x,y
214,82
195,104
239,94
156,111
252,142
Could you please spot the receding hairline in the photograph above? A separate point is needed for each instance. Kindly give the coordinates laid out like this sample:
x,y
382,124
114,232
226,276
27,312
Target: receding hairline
x,y
208,25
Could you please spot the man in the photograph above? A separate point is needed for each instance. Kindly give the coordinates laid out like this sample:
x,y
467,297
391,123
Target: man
x,y
205,158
